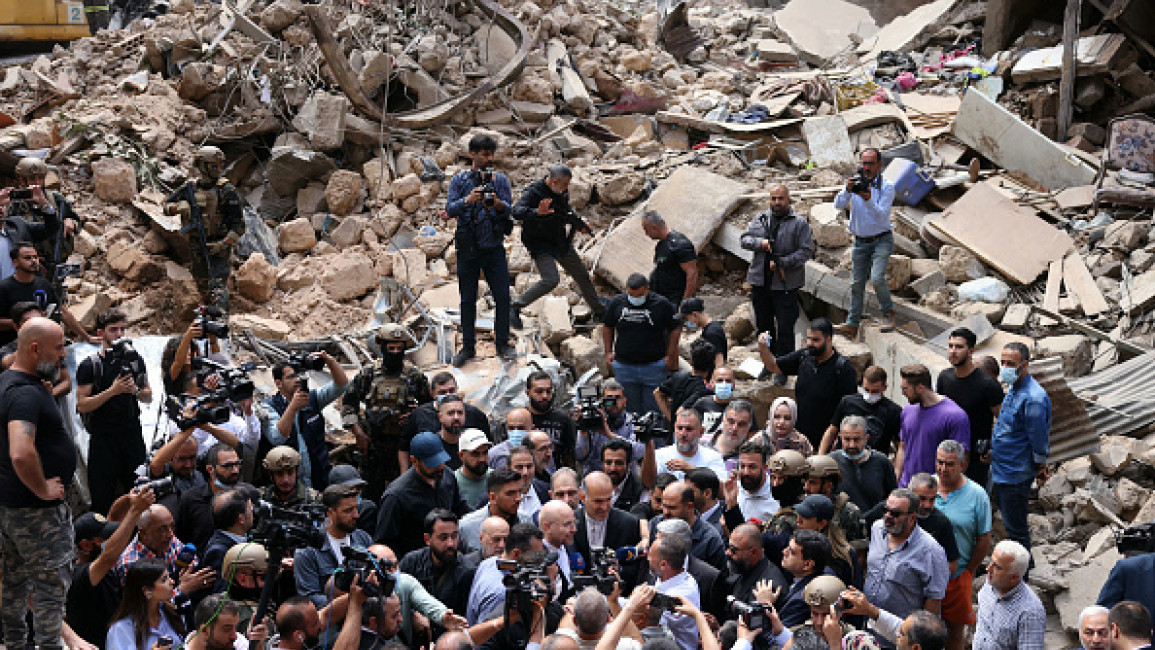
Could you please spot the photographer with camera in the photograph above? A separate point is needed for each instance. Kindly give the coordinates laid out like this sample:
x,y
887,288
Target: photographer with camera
x,y
26,284
869,197
479,198
296,410
49,211
369,622
602,418
544,212
312,567
110,385
487,594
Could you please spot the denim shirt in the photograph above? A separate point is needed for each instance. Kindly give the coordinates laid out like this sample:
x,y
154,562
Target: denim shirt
x,y
869,217
310,443
1022,435
479,228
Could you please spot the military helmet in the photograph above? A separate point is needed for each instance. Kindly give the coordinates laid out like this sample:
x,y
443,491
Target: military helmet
x,y
246,555
822,466
390,333
31,168
209,153
823,591
788,463
282,457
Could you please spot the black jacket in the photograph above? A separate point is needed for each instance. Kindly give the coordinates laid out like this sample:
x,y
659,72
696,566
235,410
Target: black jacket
x,y
631,494
545,233
622,529
19,229
194,518
451,585
401,515
742,586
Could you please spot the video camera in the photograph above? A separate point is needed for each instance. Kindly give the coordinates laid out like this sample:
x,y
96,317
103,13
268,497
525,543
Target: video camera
x,y
20,194
1136,539
589,406
649,426
485,185
287,528
361,564
859,182
525,583
753,614
209,410
161,487
126,360
235,383
212,322
599,576
302,361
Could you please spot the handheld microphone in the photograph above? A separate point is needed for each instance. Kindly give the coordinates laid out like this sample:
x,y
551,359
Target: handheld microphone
x,y
185,556
630,554
577,563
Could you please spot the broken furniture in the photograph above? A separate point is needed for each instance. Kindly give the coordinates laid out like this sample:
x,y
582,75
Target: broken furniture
x,y
1130,150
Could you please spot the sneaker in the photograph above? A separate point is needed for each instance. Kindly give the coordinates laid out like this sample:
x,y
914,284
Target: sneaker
x,y
764,375
507,353
460,358
515,318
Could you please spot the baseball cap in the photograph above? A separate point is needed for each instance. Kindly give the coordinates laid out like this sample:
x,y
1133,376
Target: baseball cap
x,y
471,439
91,525
816,506
692,305
427,448
345,475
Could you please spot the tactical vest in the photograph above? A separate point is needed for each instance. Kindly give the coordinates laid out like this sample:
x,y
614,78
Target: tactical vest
x,y
388,398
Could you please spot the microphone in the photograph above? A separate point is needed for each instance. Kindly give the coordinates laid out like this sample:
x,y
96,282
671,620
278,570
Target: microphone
x,y
630,554
577,563
185,556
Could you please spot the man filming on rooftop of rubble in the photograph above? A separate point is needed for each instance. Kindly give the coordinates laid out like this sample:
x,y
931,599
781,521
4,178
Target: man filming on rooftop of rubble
x,y
544,212
868,196
28,214
33,202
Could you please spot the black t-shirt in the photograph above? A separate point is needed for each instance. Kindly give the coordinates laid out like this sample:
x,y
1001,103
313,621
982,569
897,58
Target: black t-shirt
x,y
975,394
683,389
24,397
715,333
91,608
883,420
453,449
119,411
562,432
712,411
39,291
641,332
668,278
424,418
818,390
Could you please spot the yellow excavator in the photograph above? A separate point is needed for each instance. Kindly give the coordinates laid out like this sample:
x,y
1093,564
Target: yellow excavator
x,y
24,21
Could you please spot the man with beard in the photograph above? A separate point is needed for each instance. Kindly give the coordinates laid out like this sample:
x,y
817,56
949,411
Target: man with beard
x,y
556,422
474,452
438,567
534,492
617,423
424,417
543,466
678,503
194,515
504,486
27,284
177,459
929,419
451,414
803,558
782,243
233,518
599,524
683,389
312,567
216,622
687,453
425,486
867,474
883,416
977,394
244,569
748,565
824,377
285,488
298,624
713,407
370,623
617,461
749,492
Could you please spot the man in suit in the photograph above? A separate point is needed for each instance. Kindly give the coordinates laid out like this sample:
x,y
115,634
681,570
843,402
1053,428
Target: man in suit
x,y
748,564
232,519
558,527
601,525
706,500
1130,579
617,461
1130,626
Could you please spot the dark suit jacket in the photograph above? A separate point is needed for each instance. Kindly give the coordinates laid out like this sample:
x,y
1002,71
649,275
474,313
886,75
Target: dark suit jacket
x,y
214,553
715,520
711,584
742,586
194,517
622,529
1131,579
631,492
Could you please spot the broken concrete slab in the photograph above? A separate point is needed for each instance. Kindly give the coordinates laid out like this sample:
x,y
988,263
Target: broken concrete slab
x,y
828,140
1093,56
993,227
554,320
907,30
1015,317
692,200
775,51
1140,296
322,119
930,283
1085,584
1014,145
820,40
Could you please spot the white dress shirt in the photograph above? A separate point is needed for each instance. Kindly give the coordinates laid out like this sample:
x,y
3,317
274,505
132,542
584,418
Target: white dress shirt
x,y
595,531
684,628
530,504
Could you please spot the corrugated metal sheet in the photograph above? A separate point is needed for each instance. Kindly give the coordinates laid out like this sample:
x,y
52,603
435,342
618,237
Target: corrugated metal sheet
x,y
1121,399
1073,433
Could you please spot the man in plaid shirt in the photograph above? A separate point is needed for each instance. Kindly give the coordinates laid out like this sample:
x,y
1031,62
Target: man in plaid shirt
x,y
155,539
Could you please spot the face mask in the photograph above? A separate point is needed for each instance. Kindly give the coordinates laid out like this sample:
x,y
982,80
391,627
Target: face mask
x,y
1008,375
690,326
516,436
856,457
217,482
871,398
393,361
723,390
636,301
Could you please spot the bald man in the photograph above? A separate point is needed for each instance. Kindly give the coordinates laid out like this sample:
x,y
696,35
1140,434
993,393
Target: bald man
x,y
557,523
37,461
599,524
782,243
518,424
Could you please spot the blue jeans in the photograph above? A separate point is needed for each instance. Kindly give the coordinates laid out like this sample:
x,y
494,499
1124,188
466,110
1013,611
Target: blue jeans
x,y
497,275
1012,500
870,259
638,382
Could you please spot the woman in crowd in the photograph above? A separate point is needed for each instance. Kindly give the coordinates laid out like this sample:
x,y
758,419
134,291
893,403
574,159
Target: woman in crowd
x,y
146,611
783,435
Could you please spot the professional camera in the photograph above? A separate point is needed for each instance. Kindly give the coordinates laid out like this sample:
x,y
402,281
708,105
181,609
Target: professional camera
x,y
361,564
212,321
235,383
1136,539
589,404
860,182
525,583
161,487
650,426
485,185
122,356
210,409
302,361
753,614
285,528
599,576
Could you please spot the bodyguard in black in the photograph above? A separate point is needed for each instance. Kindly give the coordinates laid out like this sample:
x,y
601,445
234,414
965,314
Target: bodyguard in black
x,y
977,394
641,342
675,274
883,416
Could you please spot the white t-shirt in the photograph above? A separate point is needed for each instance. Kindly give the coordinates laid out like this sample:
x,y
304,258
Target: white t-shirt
x,y
704,457
249,433
338,545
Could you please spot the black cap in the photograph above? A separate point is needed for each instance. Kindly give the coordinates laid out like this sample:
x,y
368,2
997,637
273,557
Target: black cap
x,y
91,525
816,506
692,305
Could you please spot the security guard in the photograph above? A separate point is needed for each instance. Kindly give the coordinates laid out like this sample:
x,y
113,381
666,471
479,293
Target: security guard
x,y
787,472
212,219
243,574
32,173
820,593
823,477
285,488
389,389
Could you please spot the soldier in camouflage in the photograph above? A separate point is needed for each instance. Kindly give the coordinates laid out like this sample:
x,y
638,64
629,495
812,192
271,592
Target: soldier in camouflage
x,y
389,390
787,472
243,570
285,488
823,477
212,219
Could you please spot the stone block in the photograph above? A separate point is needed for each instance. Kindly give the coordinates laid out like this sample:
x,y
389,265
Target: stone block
x,y
296,236
622,188
85,244
992,313
409,266
1146,513
280,15
1125,235
1114,455
959,264
289,169
256,279
406,187
375,71
739,324
348,233
920,267
343,192
554,320
311,199
379,179
897,272
89,307
295,273
349,275
132,262
322,120
1076,350
635,60
583,353
115,180
1016,317
929,283
1131,496
261,326
1085,584
1052,492
1078,470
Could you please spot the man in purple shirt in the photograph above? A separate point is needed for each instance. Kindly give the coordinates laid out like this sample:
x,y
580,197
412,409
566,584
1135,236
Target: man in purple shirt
x,y
928,420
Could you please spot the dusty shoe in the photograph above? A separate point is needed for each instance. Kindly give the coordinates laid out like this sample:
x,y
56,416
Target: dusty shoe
x,y
888,323
460,358
848,330
507,353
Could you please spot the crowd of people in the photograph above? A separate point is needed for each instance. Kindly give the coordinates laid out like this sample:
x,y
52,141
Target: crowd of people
x,y
669,515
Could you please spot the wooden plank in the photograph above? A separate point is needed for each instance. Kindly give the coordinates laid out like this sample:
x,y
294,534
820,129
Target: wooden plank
x,y
1051,296
1079,282
1008,236
1067,80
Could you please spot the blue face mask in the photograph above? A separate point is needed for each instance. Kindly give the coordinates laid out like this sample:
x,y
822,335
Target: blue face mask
x,y
516,436
723,390
636,301
1008,375
859,456
690,325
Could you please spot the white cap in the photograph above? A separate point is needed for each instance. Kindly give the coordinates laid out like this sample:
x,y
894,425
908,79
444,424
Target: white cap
x,y
471,439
